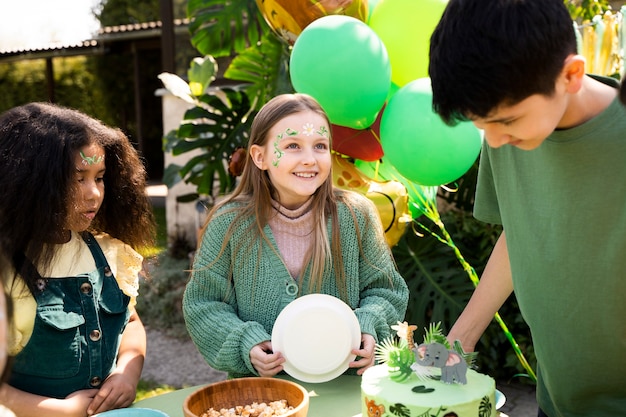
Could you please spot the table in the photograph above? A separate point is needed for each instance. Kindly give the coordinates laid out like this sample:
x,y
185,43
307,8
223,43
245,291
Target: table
x,y
340,397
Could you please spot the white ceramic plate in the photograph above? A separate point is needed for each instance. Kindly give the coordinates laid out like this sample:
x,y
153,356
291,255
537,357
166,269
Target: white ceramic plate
x,y
500,400
315,334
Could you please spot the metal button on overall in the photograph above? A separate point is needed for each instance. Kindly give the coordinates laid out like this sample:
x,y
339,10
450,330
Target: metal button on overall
x,y
95,381
95,335
85,288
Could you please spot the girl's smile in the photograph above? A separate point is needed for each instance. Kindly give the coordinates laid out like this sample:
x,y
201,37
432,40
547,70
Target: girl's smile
x,y
296,156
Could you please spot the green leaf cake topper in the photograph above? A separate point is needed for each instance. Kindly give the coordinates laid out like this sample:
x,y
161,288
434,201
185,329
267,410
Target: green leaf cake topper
x,y
403,358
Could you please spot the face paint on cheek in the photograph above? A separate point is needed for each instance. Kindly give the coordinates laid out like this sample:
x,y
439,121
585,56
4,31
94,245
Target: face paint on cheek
x,y
91,160
277,152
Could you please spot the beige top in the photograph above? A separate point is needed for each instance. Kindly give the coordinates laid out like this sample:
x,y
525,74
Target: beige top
x,y
292,231
72,259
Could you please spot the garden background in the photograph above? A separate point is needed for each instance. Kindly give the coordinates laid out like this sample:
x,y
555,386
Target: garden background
x,y
436,271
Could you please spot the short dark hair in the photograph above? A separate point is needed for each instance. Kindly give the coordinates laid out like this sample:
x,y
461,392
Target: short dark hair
x,y
485,53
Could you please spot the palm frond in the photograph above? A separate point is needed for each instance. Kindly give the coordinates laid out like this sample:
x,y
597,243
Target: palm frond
x,y
214,131
221,28
264,68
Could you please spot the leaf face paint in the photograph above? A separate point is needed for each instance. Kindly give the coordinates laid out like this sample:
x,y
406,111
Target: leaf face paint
x,y
307,129
91,160
277,152
322,131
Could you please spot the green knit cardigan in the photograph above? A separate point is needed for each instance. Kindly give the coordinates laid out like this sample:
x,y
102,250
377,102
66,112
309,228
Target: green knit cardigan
x,y
227,316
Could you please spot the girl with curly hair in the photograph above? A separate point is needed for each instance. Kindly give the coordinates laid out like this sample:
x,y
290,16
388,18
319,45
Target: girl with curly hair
x,y
76,341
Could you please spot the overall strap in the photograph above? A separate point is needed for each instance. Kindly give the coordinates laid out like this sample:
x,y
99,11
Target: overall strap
x,y
96,250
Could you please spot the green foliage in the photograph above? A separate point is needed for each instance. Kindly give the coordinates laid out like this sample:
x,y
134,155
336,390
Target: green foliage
x,y
24,82
222,28
122,12
215,128
21,83
438,288
585,10
264,68
212,128
160,295
396,354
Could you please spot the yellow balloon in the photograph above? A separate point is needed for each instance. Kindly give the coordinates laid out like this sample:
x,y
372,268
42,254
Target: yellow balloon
x,y
288,18
390,197
391,200
348,177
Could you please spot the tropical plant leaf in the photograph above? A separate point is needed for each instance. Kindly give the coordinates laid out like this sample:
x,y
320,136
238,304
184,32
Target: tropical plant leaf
x,y
201,73
171,175
400,410
221,28
169,140
213,132
264,67
484,410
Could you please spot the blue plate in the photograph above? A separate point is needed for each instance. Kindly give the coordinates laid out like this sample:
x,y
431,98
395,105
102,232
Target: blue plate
x,y
132,412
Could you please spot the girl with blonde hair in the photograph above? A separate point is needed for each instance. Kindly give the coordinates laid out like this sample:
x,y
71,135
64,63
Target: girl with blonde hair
x,y
284,232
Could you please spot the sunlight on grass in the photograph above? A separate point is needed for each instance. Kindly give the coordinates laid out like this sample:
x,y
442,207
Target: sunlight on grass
x,y
161,236
147,389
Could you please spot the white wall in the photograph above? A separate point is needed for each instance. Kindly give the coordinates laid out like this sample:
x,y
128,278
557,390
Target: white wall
x,y
182,218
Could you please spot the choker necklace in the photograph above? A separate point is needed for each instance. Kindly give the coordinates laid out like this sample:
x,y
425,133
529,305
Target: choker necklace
x,y
289,217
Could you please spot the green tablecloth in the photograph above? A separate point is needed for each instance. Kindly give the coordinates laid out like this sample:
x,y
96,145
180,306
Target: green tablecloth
x,y
340,397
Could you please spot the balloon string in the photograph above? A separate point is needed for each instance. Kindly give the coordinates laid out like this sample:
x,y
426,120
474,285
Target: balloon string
x,y
433,214
373,132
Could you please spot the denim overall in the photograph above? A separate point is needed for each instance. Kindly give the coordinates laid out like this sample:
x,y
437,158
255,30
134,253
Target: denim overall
x,y
77,332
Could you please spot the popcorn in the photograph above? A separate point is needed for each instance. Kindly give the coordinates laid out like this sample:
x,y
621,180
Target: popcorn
x,y
274,408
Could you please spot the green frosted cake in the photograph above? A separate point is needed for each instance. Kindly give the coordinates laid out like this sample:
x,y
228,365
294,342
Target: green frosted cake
x,y
429,380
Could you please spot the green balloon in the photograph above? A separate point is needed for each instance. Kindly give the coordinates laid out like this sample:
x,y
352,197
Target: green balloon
x,y
342,63
419,144
405,27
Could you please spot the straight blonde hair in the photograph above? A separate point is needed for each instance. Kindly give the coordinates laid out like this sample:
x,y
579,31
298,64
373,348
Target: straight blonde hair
x,y
255,192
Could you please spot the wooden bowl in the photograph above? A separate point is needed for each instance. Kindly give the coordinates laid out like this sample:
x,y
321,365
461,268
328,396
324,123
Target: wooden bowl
x,y
245,391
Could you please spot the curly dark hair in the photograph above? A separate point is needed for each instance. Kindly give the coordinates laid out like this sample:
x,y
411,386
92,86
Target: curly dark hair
x,y
38,144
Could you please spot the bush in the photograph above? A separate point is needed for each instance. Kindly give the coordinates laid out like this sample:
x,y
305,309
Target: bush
x,y
160,294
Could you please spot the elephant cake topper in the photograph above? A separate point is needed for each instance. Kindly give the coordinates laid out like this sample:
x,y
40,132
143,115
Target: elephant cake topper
x,y
403,357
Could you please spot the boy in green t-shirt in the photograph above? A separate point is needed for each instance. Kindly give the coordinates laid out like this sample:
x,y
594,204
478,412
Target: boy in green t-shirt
x,y
553,173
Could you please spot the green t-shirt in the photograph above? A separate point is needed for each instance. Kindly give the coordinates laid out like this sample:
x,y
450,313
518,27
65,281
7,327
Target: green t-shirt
x,y
563,208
